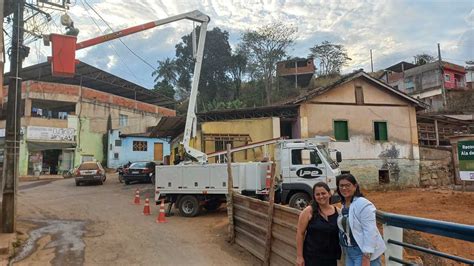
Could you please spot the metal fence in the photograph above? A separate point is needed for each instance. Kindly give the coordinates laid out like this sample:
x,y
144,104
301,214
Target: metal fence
x,y
252,224
393,225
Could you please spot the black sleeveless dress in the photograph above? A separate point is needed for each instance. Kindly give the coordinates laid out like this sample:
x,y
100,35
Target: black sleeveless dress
x,y
321,244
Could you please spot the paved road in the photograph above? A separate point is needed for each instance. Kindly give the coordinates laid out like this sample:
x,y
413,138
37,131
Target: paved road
x,y
99,225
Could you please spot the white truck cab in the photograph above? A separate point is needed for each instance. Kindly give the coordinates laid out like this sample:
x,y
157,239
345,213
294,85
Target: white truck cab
x,y
301,163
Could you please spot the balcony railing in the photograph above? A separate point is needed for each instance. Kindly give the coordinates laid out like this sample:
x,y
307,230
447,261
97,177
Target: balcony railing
x,y
393,225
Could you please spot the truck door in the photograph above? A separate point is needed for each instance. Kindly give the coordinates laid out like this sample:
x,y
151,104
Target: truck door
x,y
306,167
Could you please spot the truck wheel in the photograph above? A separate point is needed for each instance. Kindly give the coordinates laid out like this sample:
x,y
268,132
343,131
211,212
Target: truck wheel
x,y
188,206
78,183
299,200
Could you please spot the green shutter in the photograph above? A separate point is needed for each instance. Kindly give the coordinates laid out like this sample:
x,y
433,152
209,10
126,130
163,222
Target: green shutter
x,y
341,131
380,131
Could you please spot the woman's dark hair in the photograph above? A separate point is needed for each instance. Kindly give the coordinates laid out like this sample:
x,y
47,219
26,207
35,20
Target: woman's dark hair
x,y
314,204
353,181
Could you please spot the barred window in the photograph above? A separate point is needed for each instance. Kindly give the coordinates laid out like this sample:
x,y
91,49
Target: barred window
x,y
140,146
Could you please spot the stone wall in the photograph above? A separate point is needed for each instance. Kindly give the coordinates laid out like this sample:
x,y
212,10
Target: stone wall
x,y
436,167
402,172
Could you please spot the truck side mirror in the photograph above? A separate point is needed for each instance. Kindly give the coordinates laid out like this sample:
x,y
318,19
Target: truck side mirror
x,y
338,156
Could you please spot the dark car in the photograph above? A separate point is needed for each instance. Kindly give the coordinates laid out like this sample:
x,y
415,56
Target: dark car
x,y
139,171
90,172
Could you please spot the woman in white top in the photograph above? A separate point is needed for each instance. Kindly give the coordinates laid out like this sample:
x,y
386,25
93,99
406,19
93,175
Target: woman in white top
x,y
358,234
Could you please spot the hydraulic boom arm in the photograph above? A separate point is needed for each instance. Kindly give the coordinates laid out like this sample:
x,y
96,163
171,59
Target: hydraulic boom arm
x,y
196,16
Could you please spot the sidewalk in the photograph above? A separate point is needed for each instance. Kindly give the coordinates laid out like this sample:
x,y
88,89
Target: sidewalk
x,y
41,177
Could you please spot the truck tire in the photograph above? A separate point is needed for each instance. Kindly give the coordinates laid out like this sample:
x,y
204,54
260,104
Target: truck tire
x,y
299,200
188,206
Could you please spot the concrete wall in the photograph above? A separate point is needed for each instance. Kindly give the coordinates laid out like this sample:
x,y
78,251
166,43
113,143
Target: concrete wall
x,y
126,153
362,154
436,167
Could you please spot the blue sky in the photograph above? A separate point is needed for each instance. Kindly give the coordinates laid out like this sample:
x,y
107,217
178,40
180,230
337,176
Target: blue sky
x,y
395,30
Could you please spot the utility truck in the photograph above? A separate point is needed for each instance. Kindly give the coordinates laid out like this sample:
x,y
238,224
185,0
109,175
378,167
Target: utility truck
x,y
300,163
194,183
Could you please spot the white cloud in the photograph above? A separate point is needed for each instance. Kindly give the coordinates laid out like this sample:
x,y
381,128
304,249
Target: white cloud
x,y
394,29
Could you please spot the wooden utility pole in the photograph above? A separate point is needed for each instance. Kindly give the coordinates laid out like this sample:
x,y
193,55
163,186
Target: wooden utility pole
x,y
230,196
371,62
271,209
13,123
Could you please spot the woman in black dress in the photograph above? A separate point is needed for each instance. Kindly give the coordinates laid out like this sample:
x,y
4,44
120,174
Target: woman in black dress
x,y
317,239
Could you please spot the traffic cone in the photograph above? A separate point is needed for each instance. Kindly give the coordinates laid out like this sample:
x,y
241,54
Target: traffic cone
x,y
146,208
161,218
137,197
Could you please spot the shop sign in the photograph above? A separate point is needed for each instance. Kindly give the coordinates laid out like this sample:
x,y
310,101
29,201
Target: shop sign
x,y
466,160
50,133
2,132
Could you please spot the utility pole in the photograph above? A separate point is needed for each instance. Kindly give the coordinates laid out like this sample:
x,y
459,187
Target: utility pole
x,y
443,89
13,123
371,62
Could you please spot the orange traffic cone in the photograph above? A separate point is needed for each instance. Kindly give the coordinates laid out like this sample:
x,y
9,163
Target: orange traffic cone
x,y
161,216
146,208
137,197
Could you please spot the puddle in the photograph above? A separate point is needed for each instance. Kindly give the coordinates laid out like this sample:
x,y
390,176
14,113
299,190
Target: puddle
x,y
66,240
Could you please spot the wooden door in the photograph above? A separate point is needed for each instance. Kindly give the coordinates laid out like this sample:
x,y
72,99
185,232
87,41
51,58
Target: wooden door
x,y
158,152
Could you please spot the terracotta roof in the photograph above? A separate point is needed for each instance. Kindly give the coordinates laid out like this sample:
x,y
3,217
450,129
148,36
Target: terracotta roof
x,y
352,76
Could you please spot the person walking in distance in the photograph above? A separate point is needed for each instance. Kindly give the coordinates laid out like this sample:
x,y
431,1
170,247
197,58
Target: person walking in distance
x,y
358,234
317,241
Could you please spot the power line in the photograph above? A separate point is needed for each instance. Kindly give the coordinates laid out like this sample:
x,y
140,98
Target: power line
x,y
135,54
113,47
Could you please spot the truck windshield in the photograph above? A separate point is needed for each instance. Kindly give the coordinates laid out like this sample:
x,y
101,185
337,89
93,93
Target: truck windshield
x,y
325,153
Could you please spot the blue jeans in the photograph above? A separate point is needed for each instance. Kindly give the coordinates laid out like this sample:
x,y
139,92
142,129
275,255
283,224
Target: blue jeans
x,y
354,257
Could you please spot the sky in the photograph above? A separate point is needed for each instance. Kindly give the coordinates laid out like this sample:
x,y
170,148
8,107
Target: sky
x,y
395,30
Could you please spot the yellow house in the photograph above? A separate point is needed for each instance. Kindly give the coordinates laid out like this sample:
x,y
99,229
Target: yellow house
x,y
374,126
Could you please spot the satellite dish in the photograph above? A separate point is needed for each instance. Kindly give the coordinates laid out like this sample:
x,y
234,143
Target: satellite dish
x,y
66,20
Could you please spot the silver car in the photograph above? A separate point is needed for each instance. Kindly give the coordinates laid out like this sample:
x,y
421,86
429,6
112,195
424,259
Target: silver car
x,y
90,172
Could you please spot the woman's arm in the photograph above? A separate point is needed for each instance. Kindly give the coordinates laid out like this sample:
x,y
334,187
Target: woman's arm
x,y
369,228
303,221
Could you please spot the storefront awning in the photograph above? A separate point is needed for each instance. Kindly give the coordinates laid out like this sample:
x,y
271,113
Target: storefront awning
x,y
49,145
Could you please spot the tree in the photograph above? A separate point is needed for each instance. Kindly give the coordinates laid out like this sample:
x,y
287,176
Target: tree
x,y
165,88
331,57
238,67
214,81
421,59
264,47
166,77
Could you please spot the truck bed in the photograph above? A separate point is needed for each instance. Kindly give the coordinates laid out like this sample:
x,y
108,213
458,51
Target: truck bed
x,y
209,178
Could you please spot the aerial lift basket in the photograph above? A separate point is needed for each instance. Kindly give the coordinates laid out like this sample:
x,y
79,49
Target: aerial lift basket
x,y
63,60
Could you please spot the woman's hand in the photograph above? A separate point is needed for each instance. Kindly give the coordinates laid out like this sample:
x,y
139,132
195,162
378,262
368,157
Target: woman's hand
x,y
299,261
365,260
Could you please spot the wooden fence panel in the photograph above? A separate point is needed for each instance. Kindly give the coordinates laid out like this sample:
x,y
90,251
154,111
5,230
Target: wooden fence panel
x,y
250,219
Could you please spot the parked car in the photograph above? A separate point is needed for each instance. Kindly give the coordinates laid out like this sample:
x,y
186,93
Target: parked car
x,y
139,171
90,172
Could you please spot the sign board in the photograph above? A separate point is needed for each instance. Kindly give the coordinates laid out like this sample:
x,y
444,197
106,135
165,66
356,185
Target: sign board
x,y
466,160
2,132
50,133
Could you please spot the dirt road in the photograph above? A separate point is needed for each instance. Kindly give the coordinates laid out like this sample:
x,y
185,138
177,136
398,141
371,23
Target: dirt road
x,y
99,225
439,204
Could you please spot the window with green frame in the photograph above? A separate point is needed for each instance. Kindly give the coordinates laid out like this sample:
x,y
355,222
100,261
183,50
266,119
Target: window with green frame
x,y
380,131
341,131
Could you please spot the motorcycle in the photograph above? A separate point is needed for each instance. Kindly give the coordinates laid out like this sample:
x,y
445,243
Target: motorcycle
x,y
121,170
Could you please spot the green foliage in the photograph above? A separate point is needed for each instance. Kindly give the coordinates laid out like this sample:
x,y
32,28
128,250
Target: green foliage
x,y
264,47
331,57
165,88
